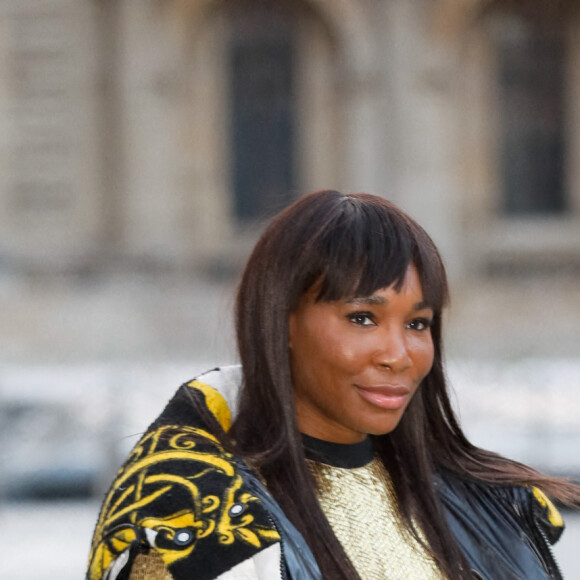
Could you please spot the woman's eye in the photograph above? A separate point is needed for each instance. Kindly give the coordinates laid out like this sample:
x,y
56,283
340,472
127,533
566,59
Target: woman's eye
x,y
361,318
420,324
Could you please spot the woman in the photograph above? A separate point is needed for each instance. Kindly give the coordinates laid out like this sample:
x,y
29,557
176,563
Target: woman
x,y
333,451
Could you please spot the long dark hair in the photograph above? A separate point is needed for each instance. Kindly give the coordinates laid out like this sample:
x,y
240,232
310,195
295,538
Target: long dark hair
x,y
351,246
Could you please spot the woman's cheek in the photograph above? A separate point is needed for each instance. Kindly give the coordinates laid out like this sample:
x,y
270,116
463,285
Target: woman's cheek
x,y
424,354
348,352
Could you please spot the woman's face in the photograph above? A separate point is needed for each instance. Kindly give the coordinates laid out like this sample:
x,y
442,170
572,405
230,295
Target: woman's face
x,y
357,363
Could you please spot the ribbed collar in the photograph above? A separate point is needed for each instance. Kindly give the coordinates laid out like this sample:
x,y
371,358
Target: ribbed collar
x,y
338,454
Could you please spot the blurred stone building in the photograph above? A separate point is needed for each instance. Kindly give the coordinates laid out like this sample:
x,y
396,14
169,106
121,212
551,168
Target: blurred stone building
x,y
157,134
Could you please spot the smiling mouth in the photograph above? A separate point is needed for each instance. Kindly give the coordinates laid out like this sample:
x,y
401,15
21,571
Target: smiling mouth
x,y
385,396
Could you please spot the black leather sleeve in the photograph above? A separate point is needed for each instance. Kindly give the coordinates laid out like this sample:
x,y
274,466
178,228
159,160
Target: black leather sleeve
x,y
496,529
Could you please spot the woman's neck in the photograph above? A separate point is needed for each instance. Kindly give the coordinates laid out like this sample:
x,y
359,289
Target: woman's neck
x,y
338,454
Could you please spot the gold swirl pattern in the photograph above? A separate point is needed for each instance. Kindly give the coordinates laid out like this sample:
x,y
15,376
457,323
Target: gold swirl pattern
x,y
175,461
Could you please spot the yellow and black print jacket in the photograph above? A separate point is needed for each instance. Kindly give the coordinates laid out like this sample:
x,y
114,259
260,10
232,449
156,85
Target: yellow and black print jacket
x,y
183,508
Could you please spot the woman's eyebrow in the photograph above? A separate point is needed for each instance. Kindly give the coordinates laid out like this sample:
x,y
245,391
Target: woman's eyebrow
x,y
367,300
373,300
380,300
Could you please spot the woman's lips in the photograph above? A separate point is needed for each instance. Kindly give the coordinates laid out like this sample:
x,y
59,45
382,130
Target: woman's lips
x,y
385,396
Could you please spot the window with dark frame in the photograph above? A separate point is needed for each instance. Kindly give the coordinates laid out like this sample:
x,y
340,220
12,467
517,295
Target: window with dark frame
x,y
531,57
262,109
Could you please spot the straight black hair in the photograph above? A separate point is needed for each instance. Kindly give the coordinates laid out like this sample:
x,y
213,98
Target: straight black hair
x,y
351,246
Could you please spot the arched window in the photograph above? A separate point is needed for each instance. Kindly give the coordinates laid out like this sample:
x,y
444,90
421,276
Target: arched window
x,y
531,61
262,92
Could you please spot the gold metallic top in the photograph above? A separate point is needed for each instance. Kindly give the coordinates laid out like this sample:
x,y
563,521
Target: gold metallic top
x,y
360,505
149,566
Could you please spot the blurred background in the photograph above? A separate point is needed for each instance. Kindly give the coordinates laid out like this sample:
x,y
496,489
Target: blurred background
x,y
143,143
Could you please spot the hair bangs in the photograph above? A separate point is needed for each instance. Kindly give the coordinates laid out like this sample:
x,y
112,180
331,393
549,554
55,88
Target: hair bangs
x,y
366,248
431,271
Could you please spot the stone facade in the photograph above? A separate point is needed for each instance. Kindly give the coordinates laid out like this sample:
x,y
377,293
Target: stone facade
x,y
116,136
49,183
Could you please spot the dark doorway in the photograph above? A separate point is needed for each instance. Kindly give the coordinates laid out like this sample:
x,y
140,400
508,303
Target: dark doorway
x,y
262,107
531,65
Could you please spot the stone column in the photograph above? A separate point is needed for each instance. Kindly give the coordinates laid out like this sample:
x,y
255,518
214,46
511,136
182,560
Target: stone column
x,y
49,215
153,213
423,125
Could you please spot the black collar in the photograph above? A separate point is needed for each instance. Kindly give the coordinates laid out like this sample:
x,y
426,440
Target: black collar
x,y
338,454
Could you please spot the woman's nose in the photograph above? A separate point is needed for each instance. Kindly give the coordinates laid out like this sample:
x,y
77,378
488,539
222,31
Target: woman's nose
x,y
392,351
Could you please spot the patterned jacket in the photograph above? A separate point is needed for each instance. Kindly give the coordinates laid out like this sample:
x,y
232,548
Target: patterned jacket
x,y
181,507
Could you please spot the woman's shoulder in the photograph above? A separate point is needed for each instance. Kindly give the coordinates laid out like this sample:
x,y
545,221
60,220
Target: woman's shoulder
x,y
215,392
182,496
524,502
502,526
